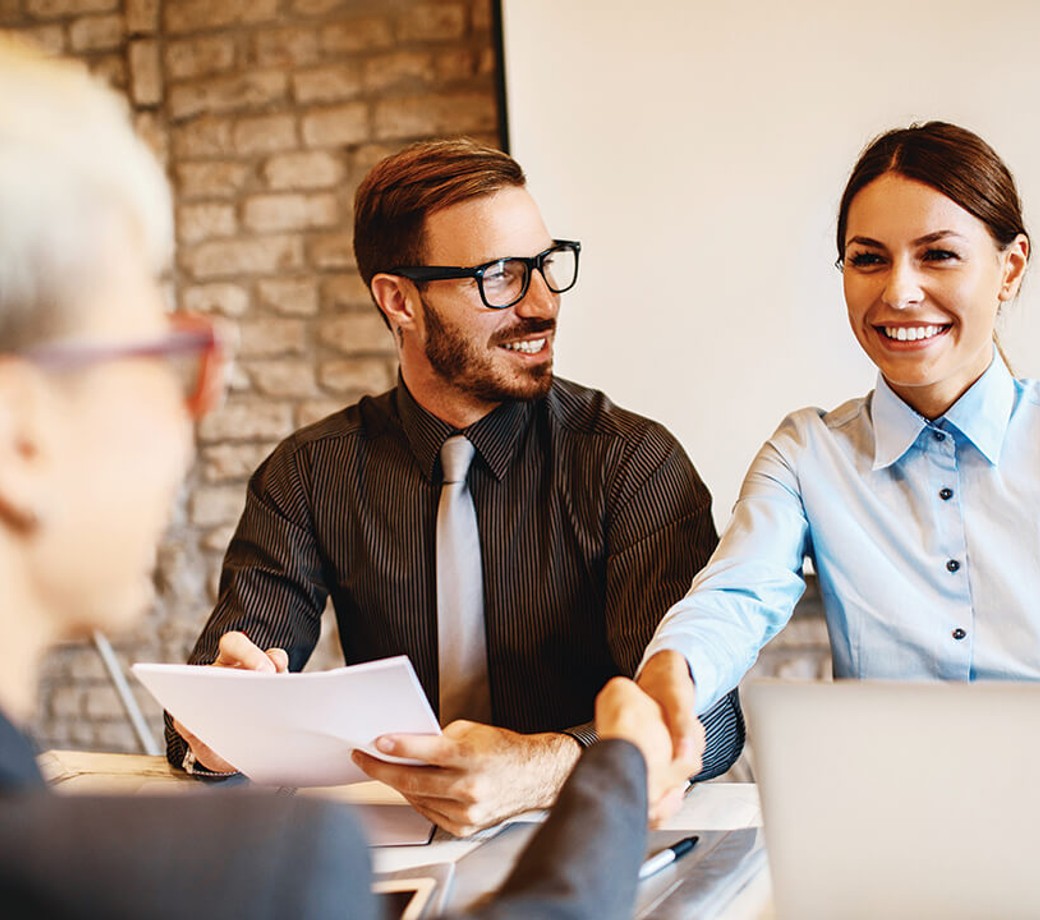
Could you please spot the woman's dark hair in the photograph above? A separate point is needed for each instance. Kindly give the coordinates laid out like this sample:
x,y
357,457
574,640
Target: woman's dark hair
x,y
951,160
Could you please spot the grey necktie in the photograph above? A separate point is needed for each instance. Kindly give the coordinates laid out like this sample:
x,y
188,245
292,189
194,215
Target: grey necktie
x,y
462,652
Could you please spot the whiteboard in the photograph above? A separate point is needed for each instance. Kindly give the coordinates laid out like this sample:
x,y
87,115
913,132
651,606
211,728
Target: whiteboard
x,y
699,150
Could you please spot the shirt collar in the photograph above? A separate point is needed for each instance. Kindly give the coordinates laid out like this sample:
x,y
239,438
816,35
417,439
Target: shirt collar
x,y
983,412
981,415
496,436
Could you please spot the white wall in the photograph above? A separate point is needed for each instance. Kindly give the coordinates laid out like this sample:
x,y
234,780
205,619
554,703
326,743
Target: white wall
x,y
698,150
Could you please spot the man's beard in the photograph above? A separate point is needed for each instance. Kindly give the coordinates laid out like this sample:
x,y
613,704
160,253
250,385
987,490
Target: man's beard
x,y
457,360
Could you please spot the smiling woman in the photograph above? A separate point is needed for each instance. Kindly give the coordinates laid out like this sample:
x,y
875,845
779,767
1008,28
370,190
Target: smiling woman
x,y
924,281
916,504
931,242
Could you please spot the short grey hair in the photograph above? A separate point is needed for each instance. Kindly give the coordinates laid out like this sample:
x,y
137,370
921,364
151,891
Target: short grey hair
x,y
70,166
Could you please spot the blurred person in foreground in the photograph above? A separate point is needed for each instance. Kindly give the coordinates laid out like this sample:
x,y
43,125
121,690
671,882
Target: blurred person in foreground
x,y
98,387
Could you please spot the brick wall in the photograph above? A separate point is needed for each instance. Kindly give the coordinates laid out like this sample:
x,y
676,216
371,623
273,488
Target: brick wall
x,y
267,113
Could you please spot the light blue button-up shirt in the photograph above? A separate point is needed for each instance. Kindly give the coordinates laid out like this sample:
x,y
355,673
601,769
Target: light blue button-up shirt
x,y
925,537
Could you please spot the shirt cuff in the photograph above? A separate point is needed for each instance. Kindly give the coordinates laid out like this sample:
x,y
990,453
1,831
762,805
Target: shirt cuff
x,y
706,678
585,734
191,766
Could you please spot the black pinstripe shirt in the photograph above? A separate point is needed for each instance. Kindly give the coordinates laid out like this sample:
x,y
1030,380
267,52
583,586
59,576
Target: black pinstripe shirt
x,y
592,524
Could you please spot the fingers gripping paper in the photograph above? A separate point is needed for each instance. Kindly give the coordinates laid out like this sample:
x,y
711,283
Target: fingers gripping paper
x,y
294,729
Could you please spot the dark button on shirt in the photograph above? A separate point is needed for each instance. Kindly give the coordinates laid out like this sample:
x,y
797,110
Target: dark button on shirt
x,y
953,565
946,494
592,524
959,633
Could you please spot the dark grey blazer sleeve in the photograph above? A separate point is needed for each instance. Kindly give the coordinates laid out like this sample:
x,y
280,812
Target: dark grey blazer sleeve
x,y
582,864
178,857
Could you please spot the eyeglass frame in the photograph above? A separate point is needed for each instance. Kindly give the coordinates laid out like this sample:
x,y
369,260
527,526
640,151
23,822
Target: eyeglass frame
x,y
189,333
423,273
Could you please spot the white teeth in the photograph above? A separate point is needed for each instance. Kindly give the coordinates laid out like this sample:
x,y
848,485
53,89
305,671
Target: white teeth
x,y
911,333
528,348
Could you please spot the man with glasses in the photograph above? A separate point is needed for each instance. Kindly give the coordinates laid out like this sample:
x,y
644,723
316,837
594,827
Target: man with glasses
x,y
515,534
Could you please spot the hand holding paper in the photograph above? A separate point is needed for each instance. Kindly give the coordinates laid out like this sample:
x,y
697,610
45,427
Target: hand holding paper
x,y
476,775
293,729
235,650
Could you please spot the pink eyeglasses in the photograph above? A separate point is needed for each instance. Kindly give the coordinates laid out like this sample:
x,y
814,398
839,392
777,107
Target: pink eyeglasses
x,y
194,347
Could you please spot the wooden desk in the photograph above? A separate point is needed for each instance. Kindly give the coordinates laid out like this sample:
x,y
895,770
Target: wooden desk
x,y
711,806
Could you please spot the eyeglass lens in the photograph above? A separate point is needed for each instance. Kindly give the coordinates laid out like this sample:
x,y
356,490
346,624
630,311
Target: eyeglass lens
x,y
505,282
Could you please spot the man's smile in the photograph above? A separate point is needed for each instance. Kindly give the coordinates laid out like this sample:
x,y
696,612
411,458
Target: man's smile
x,y
527,347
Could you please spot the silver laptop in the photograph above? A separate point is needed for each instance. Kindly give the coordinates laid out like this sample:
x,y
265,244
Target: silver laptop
x,y
885,799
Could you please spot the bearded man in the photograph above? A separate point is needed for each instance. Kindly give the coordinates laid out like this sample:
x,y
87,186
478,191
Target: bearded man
x,y
518,585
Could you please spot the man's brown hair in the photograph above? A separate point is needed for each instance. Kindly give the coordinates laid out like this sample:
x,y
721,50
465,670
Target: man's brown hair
x,y
393,200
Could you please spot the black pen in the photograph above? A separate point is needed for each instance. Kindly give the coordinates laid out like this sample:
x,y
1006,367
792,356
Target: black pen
x,y
666,857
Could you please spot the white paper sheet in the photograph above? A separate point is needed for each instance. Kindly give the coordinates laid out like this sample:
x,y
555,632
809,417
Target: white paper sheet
x,y
293,729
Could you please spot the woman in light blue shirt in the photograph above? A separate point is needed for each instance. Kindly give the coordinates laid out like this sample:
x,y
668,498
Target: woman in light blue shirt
x,y
918,504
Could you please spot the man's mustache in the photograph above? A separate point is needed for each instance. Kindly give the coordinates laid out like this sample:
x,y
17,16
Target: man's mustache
x,y
528,325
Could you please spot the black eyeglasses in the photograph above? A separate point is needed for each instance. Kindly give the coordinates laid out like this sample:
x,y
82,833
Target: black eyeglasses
x,y
504,282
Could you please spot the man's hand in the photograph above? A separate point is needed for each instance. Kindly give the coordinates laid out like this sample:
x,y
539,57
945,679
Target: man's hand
x,y
474,775
666,679
235,651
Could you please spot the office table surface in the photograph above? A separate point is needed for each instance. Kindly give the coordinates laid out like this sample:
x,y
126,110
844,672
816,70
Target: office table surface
x,y
710,806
